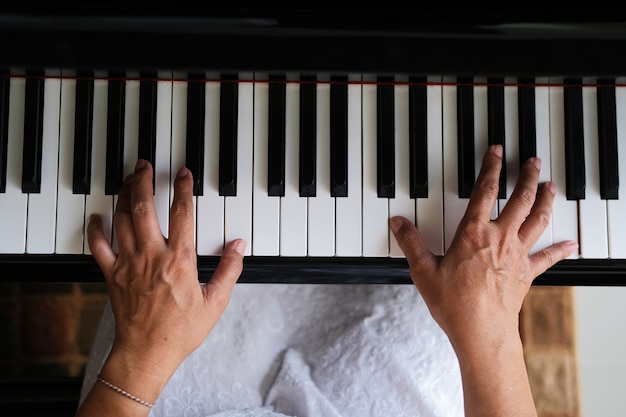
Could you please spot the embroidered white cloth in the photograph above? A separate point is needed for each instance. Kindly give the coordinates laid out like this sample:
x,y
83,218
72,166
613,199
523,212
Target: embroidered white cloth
x,y
312,351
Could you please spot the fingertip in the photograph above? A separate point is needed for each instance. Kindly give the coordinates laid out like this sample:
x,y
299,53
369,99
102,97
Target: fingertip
x,y
99,244
497,149
182,172
94,226
571,247
230,266
396,223
94,220
141,165
239,246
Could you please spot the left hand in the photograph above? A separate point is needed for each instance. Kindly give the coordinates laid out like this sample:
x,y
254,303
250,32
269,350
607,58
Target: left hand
x,y
162,312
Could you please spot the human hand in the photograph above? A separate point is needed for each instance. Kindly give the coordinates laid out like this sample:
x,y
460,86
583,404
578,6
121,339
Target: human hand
x,y
475,291
162,312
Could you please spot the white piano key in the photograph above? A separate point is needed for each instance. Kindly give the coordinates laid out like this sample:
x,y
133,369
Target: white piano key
x,y
592,209
402,204
511,139
481,121
179,132
616,208
163,152
349,225
376,231
542,115
210,205
70,206
41,227
97,202
430,210
265,208
131,131
565,220
238,209
321,210
481,126
13,204
293,208
454,207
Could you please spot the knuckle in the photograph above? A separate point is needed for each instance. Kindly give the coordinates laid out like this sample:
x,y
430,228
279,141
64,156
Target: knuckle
x,y
542,218
547,257
526,196
487,186
220,299
181,207
142,207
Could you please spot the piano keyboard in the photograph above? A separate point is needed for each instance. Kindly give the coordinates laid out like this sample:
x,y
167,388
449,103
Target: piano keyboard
x,y
305,165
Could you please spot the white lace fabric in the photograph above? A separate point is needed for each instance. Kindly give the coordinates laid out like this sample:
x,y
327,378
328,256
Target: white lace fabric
x,y
311,351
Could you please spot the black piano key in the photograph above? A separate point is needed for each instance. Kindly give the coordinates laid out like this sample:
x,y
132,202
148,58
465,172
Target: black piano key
x,y
229,100
194,150
339,136
33,133
495,122
465,136
83,133
308,135
385,134
418,138
116,104
147,117
527,120
276,135
607,139
5,85
574,140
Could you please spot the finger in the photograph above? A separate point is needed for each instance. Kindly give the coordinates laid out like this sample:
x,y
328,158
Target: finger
x,y
485,192
181,231
537,221
123,219
523,197
411,243
144,216
99,245
217,290
544,259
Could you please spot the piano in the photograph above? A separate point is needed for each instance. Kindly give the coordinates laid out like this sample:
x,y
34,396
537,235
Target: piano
x,y
306,129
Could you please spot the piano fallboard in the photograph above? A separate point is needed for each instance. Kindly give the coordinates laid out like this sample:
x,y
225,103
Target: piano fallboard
x,y
403,40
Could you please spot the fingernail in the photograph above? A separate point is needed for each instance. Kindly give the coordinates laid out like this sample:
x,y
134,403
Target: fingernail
x,y
497,149
537,162
182,173
239,246
141,164
551,187
395,223
572,247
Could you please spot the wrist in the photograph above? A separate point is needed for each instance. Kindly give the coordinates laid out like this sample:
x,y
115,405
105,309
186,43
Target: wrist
x,y
141,377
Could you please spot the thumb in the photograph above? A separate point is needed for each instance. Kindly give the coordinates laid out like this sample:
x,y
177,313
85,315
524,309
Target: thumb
x,y
411,243
228,270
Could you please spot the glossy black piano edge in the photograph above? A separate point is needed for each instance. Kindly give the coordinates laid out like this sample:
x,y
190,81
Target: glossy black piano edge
x,y
300,270
492,46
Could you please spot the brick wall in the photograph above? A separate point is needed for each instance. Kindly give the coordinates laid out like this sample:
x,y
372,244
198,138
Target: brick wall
x,y
48,330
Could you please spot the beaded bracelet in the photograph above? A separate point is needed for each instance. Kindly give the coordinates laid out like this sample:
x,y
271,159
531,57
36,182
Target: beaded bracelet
x,y
121,391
